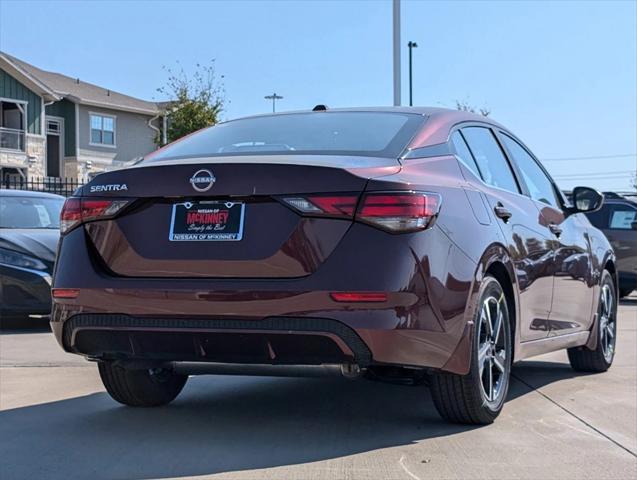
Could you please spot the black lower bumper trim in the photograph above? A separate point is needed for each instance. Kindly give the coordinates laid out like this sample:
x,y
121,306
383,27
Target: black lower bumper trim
x,y
291,325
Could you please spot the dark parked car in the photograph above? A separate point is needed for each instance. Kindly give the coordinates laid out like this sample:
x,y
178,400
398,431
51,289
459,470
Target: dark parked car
x,y
383,242
618,220
29,233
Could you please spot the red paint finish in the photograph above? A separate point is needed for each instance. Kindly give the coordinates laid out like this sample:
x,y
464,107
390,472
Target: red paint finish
x,y
409,298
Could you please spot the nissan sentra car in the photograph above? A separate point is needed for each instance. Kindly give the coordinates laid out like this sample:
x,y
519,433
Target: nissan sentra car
x,y
405,244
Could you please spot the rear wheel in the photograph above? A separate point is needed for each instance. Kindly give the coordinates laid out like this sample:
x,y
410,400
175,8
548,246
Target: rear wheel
x,y
599,360
478,397
141,388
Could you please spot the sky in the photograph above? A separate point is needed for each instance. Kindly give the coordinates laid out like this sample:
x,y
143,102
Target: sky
x,y
561,75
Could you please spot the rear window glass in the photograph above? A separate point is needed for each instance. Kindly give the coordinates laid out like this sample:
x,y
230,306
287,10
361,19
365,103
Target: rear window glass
x,y
30,212
382,134
462,150
493,164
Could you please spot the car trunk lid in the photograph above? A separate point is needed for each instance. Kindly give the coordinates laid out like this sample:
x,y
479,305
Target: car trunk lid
x,y
234,202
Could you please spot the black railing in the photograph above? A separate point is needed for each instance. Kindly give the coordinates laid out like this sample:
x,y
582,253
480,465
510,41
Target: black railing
x,y
61,186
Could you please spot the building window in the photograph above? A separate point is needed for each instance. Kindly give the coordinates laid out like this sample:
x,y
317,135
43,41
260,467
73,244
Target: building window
x,y
102,130
13,116
53,127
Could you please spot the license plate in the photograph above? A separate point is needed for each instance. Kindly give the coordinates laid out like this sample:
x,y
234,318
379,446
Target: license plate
x,y
207,222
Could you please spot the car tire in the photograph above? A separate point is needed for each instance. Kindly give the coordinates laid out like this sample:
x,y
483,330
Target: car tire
x,y
141,388
583,359
464,398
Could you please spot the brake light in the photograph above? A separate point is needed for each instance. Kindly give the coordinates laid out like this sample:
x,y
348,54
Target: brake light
x,y
71,214
79,210
400,211
396,212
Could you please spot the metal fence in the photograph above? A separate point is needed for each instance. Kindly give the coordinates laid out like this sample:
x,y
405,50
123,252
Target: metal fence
x,y
61,186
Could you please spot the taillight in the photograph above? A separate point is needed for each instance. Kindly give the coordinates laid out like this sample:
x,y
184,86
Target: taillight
x,y
324,205
71,214
79,210
399,212
396,212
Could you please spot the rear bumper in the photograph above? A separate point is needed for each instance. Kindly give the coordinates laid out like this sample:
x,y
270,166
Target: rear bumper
x,y
423,323
24,291
273,340
363,336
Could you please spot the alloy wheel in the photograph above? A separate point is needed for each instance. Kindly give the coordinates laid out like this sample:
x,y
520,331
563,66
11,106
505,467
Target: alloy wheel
x,y
492,349
607,324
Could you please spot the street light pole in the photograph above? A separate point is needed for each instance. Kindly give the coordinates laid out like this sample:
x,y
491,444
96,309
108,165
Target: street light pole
x,y
396,49
411,46
274,97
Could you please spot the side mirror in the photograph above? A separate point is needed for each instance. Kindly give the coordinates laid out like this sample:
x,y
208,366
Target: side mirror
x,y
586,200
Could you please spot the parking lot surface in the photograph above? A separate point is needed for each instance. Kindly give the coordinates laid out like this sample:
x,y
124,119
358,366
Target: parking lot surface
x,y
56,421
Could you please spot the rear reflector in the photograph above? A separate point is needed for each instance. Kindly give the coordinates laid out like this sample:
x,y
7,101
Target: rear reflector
x,y
396,212
65,292
358,296
79,210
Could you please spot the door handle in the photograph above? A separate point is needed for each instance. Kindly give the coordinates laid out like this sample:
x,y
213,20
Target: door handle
x,y
502,212
555,229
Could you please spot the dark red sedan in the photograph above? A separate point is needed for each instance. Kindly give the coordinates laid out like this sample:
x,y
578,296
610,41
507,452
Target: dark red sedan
x,y
404,244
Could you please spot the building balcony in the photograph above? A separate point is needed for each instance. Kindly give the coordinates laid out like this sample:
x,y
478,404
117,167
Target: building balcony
x,y
12,139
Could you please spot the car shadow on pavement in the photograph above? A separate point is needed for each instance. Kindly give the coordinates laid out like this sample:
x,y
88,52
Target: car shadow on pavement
x,y
228,424
534,374
24,326
218,424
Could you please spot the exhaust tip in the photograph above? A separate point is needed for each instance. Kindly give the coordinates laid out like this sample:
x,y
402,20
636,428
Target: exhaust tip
x,y
350,370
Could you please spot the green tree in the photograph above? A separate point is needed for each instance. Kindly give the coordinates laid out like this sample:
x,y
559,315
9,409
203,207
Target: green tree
x,y
196,101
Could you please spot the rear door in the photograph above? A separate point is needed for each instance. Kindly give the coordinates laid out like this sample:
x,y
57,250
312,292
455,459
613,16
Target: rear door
x,y
528,238
573,271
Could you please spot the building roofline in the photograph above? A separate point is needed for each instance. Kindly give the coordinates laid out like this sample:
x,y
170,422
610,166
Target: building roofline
x,y
26,78
112,106
28,75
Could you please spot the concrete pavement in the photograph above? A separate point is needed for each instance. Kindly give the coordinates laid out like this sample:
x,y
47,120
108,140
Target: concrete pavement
x,y
57,422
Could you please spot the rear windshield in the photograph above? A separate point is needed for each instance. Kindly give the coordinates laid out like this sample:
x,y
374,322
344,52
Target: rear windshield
x,y
30,212
381,134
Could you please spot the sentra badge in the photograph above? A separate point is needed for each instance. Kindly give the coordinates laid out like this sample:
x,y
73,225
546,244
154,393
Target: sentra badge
x,y
111,187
